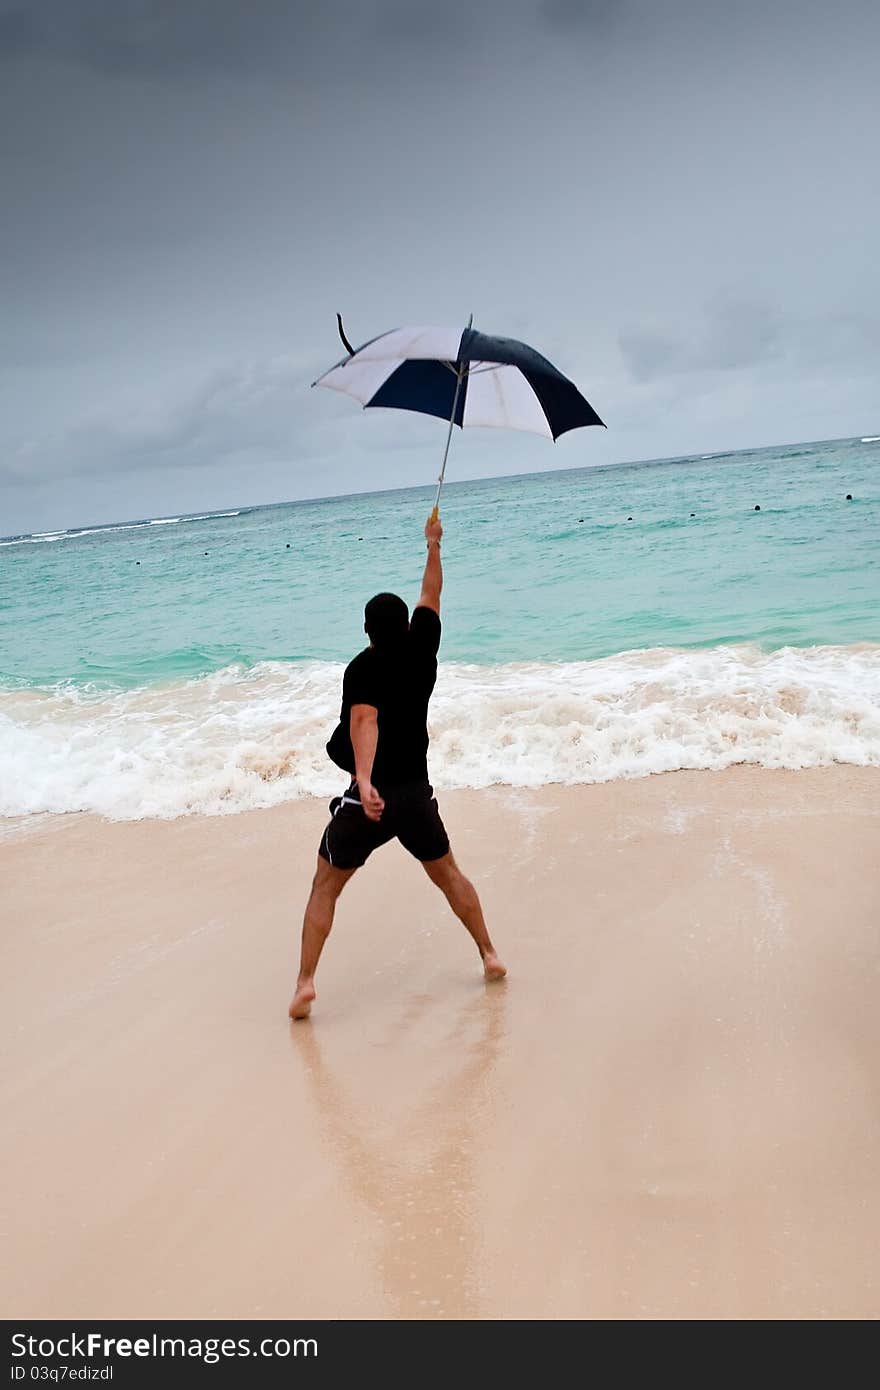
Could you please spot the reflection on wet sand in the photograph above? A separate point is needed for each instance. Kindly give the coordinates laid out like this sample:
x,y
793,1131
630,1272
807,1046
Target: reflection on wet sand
x,y
414,1166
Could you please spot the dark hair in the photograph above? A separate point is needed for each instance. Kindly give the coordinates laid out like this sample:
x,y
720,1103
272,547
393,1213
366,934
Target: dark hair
x,y
386,619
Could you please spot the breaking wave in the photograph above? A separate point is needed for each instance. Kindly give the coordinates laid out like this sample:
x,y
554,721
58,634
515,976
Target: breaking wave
x,y
244,738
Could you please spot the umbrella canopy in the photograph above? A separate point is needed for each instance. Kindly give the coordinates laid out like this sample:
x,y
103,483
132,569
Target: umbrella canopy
x,y
468,378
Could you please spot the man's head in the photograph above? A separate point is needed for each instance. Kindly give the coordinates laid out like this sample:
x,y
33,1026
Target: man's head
x,y
386,619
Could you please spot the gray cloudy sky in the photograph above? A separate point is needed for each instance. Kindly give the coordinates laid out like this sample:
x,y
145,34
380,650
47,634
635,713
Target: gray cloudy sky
x,y
675,200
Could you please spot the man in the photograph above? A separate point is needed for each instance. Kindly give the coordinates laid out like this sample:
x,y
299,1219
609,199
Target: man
x,y
382,742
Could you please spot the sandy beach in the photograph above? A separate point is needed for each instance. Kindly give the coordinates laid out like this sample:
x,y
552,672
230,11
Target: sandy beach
x,y
669,1110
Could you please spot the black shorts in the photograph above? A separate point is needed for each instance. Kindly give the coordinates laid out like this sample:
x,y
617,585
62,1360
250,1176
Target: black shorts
x,y
410,815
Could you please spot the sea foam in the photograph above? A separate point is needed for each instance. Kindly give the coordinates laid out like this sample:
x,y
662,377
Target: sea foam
x,y
247,738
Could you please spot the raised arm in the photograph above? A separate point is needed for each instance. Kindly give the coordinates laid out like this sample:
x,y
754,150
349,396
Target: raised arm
x,y
432,579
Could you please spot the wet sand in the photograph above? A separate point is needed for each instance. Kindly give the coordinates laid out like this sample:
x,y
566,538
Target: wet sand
x,y
669,1109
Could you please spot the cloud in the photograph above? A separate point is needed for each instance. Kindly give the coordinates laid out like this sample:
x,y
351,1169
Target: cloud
x,y
159,37
739,334
581,14
170,38
250,416
237,415
839,339
16,32
735,333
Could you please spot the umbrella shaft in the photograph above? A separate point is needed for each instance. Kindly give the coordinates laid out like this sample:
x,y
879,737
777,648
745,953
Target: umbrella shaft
x,y
460,376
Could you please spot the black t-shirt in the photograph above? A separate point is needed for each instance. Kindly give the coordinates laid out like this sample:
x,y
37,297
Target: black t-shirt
x,y
398,682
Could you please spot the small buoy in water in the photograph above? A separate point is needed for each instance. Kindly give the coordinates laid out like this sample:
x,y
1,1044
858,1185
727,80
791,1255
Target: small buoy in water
x,y
629,518
206,552
360,538
137,562
693,513
287,547
849,497
757,508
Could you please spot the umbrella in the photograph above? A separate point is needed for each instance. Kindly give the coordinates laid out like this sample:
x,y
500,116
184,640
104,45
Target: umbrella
x,y
467,378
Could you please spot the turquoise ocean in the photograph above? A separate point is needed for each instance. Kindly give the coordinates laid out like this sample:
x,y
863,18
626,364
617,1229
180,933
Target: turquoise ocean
x,y
598,623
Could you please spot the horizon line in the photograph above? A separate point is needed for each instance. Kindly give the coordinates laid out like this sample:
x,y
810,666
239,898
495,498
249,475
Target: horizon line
x,y
428,487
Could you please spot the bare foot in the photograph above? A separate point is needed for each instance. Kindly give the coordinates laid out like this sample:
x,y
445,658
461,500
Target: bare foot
x,y
493,968
301,1003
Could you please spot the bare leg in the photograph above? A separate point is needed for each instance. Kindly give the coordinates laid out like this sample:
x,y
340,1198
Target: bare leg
x,y
462,898
327,884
